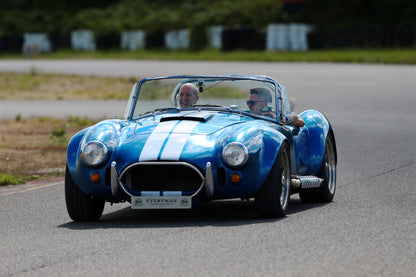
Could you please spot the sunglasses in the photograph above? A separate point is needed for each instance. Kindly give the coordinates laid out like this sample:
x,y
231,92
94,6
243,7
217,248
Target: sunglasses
x,y
252,102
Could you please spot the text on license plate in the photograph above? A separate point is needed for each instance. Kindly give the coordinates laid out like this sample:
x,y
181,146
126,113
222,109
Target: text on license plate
x,y
161,202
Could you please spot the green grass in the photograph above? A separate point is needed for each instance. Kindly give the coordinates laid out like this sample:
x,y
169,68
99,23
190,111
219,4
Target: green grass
x,y
10,180
384,56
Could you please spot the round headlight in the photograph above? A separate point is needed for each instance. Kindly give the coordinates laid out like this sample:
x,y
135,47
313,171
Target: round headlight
x,y
94,153
235,154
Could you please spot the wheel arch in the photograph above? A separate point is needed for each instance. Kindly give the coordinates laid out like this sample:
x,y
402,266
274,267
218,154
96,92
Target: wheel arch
x,y
270,200
73,150
318,127
273,143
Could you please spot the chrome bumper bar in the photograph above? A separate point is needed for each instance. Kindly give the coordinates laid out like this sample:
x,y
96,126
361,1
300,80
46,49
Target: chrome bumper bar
x,y
116,187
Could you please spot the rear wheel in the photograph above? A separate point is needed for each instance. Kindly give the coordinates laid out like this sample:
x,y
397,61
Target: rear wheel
x,y
273,197
81,206
326,192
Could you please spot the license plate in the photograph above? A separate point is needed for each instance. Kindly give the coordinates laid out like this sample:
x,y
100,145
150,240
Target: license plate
x,y
161,202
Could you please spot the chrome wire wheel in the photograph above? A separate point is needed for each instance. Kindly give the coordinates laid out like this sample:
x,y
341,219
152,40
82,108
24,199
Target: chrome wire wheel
x,y
285,180
330,166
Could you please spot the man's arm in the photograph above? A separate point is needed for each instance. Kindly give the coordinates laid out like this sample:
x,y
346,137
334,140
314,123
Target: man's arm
x,y
295,120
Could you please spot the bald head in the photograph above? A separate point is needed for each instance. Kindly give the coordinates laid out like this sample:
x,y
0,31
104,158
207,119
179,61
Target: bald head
x,y
188,95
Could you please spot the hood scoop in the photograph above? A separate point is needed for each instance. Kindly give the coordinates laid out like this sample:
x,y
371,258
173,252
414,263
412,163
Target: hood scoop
x,y
190,117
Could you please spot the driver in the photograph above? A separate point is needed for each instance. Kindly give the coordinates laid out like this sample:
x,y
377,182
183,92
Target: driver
x,y
188,95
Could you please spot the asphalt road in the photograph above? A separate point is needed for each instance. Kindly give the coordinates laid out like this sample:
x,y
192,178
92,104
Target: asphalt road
x,y
368,230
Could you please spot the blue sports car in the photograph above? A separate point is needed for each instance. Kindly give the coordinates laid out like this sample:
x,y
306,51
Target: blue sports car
x,y
187,140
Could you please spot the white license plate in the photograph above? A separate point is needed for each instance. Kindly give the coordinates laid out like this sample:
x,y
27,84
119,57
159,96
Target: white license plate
x,y
161,202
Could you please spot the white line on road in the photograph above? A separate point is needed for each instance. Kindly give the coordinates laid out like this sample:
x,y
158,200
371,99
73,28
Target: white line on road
x,y
9,190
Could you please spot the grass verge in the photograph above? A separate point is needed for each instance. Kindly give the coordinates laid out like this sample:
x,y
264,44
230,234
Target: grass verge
x,y
35,148
9,180
59,87
385,56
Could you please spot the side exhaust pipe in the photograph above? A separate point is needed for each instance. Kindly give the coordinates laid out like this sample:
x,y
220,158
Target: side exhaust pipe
x,y
305,182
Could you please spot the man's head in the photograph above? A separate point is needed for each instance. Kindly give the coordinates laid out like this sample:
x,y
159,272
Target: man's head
x,y
258,100
188,95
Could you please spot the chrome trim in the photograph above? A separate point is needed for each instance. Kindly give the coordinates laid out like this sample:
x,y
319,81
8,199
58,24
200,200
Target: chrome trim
x,y
306,182
209,181
295,183
160,163
285,181
115,187
330,165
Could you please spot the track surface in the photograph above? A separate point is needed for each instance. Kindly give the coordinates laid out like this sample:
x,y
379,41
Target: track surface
x,y
369,229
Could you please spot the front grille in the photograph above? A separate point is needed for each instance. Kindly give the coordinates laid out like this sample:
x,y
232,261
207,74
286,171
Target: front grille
x,y
162,176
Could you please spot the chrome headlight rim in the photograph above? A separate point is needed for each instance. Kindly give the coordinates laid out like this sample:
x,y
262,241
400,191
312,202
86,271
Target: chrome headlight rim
x,y
100,156
237,146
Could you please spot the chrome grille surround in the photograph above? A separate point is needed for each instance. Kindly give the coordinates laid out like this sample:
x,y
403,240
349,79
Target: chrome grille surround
x,y
161,176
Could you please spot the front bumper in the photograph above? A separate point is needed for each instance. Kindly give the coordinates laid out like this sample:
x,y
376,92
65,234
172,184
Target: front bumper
x,y
163,178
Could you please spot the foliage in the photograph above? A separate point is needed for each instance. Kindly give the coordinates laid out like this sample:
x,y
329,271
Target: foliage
x,y
107,18
340,13
58,136
9,180
115,16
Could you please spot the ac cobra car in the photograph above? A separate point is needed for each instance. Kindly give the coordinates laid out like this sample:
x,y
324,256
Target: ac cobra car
x,y
188,140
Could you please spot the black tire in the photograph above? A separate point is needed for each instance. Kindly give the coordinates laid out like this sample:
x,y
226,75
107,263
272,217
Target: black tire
x,y
272,199
81,206
328,170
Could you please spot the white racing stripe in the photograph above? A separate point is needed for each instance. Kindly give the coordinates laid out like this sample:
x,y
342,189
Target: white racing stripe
x,y
156,140
176,135
176,142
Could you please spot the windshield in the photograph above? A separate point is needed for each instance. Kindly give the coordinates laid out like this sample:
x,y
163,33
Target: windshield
x,y
253,96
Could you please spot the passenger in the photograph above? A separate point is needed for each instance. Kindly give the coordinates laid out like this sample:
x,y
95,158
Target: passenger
x,y
188,95
259,103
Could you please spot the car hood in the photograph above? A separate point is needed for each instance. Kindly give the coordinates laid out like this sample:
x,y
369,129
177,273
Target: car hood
x,y
180,136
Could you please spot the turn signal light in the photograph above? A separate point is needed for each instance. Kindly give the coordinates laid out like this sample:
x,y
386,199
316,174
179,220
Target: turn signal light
x,y
235,178
95,177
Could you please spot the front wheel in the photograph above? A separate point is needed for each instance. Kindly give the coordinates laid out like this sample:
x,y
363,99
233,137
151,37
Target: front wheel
x,y
80,206
326,192
273,197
